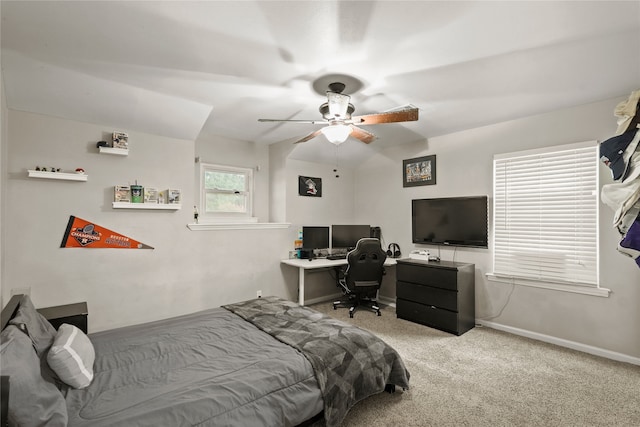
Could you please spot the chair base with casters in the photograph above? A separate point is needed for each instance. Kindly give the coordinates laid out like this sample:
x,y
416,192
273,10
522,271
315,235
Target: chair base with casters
x,y
353,303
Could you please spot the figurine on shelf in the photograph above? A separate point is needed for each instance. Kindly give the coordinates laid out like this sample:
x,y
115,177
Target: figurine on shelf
x,y
80,171
37,168
195,214
44,169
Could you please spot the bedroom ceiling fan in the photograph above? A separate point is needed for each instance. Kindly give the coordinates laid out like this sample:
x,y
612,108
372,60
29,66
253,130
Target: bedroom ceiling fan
x,y
337,115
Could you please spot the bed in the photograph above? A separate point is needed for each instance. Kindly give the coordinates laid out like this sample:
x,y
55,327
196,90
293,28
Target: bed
x,y
262,362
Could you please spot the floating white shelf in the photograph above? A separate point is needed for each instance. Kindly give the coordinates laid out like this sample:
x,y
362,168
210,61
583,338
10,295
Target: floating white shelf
x,y
156,206
58,175
114,151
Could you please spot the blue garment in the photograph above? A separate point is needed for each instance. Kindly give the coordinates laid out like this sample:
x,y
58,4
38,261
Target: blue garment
x,y
616,152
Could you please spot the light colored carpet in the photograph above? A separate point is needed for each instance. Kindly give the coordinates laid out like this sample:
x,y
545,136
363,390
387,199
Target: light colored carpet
x,y
491,378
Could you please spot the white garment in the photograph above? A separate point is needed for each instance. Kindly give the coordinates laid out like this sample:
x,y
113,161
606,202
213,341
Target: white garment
x,y
625,111
622,196
628,218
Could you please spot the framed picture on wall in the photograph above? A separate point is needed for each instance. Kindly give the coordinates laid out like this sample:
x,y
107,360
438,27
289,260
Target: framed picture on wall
x,y
309,186
419,171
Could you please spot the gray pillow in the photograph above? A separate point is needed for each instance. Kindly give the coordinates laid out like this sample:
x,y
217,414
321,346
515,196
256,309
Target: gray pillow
x,y
35,325
71,356
33,398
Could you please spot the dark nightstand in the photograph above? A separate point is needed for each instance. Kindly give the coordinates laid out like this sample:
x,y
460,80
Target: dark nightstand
x,y
73,314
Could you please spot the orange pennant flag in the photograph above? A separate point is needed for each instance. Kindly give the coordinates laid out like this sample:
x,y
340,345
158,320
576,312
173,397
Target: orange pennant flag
x,y
84,234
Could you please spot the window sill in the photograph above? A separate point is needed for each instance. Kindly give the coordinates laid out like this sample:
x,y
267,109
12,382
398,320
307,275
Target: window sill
x,y
585,290
237,226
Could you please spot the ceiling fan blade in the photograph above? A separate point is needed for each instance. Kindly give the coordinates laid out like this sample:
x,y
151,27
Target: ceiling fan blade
x,y
362,134
313,122
408,115
308,137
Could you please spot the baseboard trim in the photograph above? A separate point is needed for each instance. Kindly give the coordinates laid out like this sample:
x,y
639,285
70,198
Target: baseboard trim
x,y
387,301
323,299
596,351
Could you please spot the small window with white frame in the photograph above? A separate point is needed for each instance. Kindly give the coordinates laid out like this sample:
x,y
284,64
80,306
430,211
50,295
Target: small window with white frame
x,y
546,218
226,193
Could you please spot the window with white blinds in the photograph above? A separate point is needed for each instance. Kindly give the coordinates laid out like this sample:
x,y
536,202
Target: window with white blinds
x,y
546,215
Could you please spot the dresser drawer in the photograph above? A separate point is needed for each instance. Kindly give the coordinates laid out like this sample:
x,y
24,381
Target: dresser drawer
x,y
441,298
427,315
444,278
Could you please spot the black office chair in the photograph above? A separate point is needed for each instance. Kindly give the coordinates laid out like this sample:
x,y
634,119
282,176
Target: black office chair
x,y
363,276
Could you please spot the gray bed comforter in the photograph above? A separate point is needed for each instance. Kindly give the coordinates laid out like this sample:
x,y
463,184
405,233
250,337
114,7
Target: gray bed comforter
x,y
210,368
350,363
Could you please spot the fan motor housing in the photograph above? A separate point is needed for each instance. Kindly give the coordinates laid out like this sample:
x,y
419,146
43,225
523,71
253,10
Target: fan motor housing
x,y
324,110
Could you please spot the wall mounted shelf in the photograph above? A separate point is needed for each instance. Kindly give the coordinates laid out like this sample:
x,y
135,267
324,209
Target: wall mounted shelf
x,y
156,206
58,175
114,151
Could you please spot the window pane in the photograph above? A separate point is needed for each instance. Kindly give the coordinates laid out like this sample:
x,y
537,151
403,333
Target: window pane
x,y
221,180
546,215
222,202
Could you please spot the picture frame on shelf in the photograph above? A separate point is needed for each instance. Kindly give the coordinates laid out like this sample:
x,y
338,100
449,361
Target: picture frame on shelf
x,y
419,171
122,194
120,140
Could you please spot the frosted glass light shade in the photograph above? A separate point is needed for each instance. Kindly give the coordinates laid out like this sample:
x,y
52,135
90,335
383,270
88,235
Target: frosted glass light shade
x,y
338,104
337,134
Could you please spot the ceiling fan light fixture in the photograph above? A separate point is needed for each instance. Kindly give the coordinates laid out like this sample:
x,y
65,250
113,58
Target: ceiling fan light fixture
x,y
337,134
338,104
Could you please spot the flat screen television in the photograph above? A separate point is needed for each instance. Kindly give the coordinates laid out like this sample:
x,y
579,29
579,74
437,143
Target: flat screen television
x,y
453,221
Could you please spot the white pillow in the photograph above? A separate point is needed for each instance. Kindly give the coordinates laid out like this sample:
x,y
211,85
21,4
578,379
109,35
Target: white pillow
x,y
71,356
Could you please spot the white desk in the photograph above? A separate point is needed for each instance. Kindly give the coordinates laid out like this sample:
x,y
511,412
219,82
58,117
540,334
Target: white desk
x,y
305,264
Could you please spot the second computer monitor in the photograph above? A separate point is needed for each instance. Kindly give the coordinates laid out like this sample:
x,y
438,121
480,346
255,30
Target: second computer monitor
x,y
346,236
315,237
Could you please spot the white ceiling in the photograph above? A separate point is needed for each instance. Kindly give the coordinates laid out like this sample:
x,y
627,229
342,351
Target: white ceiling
x,y
179,68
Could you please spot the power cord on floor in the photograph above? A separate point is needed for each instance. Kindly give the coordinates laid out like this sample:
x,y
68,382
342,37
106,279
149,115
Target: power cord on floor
x,y
513,286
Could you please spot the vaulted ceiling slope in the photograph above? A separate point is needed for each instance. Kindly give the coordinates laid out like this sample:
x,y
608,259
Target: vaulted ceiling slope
x,y
180,68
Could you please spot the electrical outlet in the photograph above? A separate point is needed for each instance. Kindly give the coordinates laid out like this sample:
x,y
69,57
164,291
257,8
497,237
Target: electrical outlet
x,y
259,294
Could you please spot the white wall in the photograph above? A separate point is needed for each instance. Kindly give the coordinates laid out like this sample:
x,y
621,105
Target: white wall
x,y
186,271
464,168
336,204
334,207
3,181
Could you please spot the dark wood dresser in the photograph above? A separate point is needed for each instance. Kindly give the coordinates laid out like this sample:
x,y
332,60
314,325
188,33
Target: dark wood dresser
x,y
437,294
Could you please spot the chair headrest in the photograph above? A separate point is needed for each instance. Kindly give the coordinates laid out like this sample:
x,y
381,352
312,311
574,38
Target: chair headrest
x,y
368,245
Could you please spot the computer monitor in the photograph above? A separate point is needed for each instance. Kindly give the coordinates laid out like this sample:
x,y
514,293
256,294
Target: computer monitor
x,y
315,238
347,236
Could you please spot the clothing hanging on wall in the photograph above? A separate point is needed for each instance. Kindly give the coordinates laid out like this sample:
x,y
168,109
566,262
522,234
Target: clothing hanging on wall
x,y
621,153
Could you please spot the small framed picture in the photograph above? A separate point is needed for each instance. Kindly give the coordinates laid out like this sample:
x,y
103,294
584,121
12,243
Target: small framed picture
x,y
419,171
310,187
120,140
122,194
